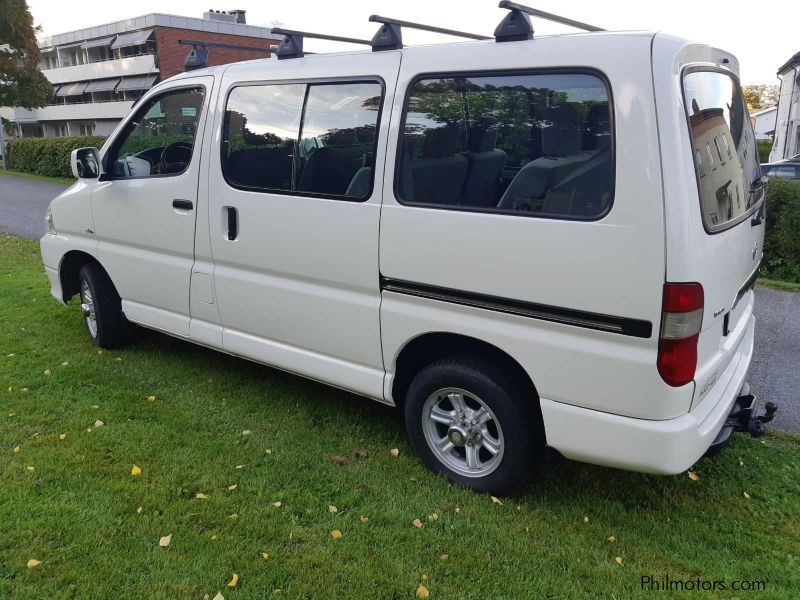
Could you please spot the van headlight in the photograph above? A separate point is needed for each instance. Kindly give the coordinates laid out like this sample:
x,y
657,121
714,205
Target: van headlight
x,y
51,228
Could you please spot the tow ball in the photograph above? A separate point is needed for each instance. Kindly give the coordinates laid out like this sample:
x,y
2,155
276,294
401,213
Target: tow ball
x,y
745,416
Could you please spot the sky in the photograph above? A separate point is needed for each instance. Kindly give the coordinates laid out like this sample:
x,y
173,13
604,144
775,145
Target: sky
x,y
762,36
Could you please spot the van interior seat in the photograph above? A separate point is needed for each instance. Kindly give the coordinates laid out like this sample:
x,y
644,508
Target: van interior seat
x,y
485,164
262,167
360,183
438,176
562,142
330,169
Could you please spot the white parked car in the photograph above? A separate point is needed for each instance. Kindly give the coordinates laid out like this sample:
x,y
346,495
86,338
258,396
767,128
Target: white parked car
x,y
545,242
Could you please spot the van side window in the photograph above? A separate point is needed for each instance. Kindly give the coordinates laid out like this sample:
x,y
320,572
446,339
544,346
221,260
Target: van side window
x,y
538,144
160,137
309,139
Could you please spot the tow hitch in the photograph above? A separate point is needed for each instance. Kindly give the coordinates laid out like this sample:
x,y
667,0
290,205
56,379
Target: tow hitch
x,y
745,416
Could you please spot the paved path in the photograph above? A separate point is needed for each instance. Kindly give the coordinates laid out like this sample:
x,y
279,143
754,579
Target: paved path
x,y
774,375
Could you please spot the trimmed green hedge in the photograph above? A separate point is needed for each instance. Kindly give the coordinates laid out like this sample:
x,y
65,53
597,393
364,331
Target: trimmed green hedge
x,y
47,156
782,242
764,148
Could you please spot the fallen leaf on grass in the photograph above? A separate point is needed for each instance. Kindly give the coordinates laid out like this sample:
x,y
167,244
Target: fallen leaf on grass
x,y
741,462
433,517
497,500
332,509
618,560
746,495
219,596
136,471
16,450
165,541
265,555
98,423
611,539
234,580
336,534
151,398
277,504
338,459
33,563
201,496
423,593
232,487
394,452
88,430
95,406
585,519
268,451
234,516
417,523
62,436
30,469
693,476
139,510
444,557
363,519
246,432
240,466
65,363
47,371
214,537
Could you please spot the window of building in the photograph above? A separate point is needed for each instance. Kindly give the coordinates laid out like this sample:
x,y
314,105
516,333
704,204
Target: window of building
x,y
159,139
310,139
537,144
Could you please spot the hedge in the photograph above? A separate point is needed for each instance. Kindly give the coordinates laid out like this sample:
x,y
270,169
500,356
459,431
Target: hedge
x,y
764,148
47,156
782,242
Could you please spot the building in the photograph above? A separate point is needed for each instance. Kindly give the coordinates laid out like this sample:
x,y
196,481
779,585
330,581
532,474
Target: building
x,y
787,122
98,72
764,122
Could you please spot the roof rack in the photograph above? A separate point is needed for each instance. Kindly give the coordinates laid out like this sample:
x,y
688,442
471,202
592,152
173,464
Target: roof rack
x,y
198,55
291,45
517,24
390,35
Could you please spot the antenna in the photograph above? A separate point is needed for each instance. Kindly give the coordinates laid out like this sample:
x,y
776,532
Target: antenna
x,y
291,45
198,55
390,35
517,24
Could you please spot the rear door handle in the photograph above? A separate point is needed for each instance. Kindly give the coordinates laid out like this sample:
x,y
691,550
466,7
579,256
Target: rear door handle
x,y
182,204
233,222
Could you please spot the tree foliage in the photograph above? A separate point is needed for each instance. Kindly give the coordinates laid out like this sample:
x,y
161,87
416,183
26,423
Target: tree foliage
x,y
760,95
21,81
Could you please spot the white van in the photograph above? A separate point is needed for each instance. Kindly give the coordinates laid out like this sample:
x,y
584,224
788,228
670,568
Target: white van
x,y
521,243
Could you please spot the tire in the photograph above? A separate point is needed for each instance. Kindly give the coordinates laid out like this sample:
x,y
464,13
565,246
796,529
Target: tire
x,y
495,409
105,322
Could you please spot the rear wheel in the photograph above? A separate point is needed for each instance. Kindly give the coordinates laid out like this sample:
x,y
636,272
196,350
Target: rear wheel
x,y
101,306
470,422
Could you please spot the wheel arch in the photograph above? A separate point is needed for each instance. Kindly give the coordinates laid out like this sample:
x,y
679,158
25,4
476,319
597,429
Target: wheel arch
x,y
69,270
428,347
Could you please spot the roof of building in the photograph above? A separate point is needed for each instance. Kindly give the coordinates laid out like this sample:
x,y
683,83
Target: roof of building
x,y
153,20
795,60
763,111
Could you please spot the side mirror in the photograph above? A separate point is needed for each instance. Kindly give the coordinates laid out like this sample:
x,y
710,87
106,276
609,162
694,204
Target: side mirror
x,y
85,163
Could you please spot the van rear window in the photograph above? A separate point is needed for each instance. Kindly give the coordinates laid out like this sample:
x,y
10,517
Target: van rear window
x,y
536,144
725,155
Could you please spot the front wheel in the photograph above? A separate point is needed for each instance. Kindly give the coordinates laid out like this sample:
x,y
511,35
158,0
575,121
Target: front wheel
x,y
101,307
469,422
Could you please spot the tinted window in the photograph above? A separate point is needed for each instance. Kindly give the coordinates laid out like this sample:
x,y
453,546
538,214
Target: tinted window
x,y
160,137
536,144
724,144
782,172
310,139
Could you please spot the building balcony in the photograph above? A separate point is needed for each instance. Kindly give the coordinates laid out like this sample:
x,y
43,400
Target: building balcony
x,y
69,112
119,67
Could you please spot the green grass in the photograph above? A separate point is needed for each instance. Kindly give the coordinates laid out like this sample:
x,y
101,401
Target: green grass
x,y
62,180
77,511
781,285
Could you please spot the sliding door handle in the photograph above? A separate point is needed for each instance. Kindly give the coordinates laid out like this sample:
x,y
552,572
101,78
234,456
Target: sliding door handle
x,y
182,204
233,222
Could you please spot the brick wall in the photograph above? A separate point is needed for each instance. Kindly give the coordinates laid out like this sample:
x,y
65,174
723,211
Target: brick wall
x,y
172,55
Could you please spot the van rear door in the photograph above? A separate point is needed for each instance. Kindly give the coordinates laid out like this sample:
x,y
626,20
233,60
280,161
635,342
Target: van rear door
x,y
730,210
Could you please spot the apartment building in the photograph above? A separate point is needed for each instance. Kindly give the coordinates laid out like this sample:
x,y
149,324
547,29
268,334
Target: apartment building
x,y
98,72
787,123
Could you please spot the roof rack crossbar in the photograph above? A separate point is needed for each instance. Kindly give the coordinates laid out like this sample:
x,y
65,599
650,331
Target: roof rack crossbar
x,y
521,8
390,36
291,46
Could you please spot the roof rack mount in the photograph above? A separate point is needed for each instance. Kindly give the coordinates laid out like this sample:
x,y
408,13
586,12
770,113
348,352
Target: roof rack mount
x,y
198,55
390,35
517,24
291,45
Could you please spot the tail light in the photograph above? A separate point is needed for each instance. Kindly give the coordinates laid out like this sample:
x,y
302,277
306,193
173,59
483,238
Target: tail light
x,y
681,320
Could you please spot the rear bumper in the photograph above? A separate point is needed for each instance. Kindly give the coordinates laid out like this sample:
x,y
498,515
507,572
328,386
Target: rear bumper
x,y
665,447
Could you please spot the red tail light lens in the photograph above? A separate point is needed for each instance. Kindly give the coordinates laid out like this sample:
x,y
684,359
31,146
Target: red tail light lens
x,y
681,321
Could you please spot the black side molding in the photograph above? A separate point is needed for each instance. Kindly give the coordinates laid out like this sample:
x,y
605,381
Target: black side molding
x,y
567,316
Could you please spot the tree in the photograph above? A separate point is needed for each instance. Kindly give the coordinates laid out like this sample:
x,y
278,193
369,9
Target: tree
x,y
760,95
21,81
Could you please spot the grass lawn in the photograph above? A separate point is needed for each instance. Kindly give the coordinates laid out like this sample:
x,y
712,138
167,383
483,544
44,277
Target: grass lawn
x,y
778,284
293,449
62,180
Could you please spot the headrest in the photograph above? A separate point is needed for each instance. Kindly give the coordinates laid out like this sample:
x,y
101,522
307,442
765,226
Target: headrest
x,y
561,132
440,142
598,125
482,136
